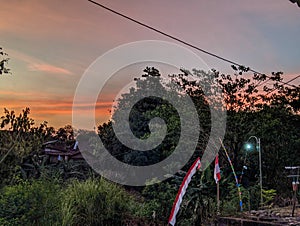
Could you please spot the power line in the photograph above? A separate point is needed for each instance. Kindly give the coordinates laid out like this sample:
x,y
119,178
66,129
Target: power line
x,y
260,84
272,90
181,41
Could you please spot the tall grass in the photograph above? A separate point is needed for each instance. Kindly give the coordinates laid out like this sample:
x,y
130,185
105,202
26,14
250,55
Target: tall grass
x,y
93,202
51,202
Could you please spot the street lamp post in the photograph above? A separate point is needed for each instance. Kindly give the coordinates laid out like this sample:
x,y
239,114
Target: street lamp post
x,y
258,147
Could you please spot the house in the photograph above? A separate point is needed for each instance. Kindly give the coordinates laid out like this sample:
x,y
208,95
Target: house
x,y
62,151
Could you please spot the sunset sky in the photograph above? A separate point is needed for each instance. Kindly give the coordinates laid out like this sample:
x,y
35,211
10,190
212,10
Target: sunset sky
x,y
52,42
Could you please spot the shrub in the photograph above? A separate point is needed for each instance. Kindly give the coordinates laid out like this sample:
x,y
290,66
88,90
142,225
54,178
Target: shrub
x,y
94,202
230,204
30,203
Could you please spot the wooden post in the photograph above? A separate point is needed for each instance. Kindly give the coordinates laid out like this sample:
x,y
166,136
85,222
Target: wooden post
x,y
295,188
218,199
294,204
295,177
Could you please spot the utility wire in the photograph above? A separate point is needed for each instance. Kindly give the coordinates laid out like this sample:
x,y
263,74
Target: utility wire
x,y
287,83
272,90
181,41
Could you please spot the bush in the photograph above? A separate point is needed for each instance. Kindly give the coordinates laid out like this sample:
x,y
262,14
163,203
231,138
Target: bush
x,y
230,203
94,202
30,203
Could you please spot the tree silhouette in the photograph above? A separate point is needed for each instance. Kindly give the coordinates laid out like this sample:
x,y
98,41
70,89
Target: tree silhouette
x,y
3,62
296,1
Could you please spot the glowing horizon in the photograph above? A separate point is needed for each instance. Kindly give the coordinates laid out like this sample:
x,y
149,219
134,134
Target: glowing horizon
x,y
51,43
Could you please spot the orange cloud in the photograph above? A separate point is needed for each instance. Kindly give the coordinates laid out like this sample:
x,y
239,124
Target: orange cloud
x,y
51,108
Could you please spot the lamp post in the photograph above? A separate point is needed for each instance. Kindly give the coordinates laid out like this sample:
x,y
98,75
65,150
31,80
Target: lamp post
x,y
258,147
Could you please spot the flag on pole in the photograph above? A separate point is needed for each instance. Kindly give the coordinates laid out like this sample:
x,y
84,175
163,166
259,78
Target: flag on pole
x,y
196,165
217,173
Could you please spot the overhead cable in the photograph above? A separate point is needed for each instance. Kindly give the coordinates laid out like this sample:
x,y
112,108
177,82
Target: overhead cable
x,y
182,41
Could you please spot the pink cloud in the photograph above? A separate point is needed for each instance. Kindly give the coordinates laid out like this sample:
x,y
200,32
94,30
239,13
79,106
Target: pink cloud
x,y
43,67
35,64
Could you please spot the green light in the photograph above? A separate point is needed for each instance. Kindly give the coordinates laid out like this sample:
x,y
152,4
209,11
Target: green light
x,y
248,146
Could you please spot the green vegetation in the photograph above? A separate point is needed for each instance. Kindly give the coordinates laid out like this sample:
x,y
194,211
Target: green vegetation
x,y
35,192
30,203
94,202
47,202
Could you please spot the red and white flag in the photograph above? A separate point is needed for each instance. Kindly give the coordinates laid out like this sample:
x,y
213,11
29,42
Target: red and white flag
x,y
217,173
176,205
